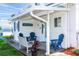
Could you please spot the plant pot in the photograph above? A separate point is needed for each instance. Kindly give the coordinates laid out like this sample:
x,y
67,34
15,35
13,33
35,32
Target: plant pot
x,y
77,54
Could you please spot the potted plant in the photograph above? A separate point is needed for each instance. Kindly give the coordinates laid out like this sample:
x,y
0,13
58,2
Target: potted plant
x,y
76,52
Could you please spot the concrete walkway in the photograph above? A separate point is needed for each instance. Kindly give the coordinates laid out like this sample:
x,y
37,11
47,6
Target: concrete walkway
x,y
59,54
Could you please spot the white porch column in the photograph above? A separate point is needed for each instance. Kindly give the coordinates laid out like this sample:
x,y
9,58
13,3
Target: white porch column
x,y
48,37
77,24
66,42
70,28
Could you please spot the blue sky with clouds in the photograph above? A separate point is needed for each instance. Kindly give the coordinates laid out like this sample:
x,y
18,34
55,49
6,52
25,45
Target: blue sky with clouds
x,y
7,9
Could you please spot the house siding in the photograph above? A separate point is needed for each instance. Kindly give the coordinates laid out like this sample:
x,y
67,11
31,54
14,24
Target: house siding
x,y
68,24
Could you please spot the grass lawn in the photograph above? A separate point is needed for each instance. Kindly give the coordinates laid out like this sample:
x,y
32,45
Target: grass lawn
x,y
7,50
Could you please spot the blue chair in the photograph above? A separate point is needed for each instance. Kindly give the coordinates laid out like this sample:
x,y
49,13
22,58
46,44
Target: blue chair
x,y
32,37
56,43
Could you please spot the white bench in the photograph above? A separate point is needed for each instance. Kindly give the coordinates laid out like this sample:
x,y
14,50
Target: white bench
x,y
23,42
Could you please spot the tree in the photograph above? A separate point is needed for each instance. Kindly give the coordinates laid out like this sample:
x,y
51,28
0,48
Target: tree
x,y
0,29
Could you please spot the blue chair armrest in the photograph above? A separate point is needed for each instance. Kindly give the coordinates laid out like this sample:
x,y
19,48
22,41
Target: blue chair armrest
x,y
53,41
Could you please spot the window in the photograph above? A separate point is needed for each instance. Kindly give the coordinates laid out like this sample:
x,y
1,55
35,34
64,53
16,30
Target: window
x,y
57,22
18,26
42,28
45,30
14,26
27,24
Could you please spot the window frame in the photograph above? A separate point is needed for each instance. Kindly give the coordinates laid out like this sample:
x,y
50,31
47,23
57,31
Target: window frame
x,y
57,21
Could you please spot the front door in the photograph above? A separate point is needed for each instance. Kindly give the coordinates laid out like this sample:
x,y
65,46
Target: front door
x,y
40,30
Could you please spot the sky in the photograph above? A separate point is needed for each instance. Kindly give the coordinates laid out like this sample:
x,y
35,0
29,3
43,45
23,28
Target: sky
x,y
7,9
5,24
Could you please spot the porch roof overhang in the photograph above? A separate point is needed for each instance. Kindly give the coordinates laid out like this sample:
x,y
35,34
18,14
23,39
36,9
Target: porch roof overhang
x,y
28,11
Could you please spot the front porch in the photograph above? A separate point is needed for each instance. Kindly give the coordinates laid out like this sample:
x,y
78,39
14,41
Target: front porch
x,y
41,51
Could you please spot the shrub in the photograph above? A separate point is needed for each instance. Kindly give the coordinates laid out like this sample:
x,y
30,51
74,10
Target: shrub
x,y
8,37
0,28
76,51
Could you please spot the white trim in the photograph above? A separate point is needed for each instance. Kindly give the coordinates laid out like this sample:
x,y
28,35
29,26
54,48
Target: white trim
x,y
37,17
49,8
40,8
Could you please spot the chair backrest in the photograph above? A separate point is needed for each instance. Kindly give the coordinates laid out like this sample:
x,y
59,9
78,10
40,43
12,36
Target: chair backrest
x,y
60,39
22,40
32,36
20,34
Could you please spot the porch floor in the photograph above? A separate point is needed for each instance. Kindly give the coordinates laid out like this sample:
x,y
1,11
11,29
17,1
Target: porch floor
x,y
41,51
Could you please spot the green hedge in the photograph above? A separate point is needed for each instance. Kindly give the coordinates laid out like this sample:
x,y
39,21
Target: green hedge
x,y
8,37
